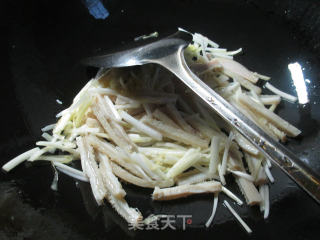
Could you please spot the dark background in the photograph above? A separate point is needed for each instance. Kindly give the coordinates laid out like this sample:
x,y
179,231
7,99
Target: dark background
x,y
42,43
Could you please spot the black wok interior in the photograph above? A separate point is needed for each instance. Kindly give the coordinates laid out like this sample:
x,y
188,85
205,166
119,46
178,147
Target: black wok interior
x,y
43,42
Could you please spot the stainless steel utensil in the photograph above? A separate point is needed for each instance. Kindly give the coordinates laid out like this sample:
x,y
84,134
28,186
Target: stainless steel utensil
x,y
168,52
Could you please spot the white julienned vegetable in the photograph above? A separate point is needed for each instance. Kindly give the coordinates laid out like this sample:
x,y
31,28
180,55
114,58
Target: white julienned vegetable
x,y
245,226
280,93
143,128
214,209
232,195
225,155
19,159
72,172
48,127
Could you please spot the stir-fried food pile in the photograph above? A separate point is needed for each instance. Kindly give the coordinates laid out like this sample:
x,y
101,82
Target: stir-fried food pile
x,y
142,126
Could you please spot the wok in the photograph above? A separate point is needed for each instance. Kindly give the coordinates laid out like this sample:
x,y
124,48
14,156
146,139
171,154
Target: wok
x,y
44,41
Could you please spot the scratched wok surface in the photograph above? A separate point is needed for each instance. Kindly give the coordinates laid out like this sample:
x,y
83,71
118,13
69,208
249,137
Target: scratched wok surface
x,y
44,41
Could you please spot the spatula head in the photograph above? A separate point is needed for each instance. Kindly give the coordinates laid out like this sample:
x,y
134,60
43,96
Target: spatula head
x,y
141,52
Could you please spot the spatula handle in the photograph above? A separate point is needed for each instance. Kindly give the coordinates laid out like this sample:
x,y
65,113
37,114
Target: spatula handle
x,y
272,149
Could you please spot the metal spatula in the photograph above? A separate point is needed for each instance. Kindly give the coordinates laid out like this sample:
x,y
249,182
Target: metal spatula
x,y
168,52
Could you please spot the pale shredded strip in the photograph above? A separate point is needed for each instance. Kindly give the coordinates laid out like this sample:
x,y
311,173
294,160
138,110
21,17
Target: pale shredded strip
x,y
280,93
214,209
234,213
